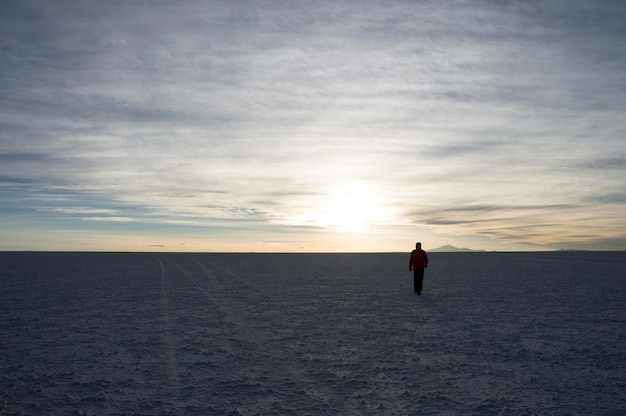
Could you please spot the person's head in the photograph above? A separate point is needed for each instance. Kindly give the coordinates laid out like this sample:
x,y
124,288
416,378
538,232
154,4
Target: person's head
x,y
418,246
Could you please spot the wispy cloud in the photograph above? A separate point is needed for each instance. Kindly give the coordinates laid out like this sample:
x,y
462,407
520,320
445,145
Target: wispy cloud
x,y
502,120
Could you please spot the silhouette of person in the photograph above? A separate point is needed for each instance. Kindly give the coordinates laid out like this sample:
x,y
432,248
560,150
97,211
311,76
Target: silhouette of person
x,y
418,262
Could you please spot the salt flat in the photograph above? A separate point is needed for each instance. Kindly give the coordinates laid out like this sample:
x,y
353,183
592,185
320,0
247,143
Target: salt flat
x,y
317,334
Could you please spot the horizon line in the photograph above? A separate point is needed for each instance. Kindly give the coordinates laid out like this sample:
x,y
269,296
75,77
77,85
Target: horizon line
x,y
310,252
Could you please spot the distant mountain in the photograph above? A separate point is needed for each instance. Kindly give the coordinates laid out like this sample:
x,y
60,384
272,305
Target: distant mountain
x,y
451,249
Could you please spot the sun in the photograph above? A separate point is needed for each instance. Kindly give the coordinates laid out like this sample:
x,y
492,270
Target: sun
x,y
350,209
343,208
345,212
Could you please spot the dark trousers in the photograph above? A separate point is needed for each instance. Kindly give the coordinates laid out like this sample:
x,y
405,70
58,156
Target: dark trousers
x,y
418,278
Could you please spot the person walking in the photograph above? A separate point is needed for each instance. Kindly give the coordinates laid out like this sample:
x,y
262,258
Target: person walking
x,y
418,262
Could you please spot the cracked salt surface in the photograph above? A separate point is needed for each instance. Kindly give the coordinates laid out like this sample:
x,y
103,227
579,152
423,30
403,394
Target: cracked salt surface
x,y
312,334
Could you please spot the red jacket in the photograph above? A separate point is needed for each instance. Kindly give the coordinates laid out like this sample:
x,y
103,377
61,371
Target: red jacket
x,y
418,260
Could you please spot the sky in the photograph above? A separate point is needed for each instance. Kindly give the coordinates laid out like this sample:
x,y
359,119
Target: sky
x,y
312,126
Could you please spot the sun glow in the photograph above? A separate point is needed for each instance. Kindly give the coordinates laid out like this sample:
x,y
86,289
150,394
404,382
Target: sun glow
x,y
350,209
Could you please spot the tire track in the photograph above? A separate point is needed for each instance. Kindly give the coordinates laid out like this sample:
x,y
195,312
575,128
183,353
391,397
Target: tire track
x,y
168,342
246,334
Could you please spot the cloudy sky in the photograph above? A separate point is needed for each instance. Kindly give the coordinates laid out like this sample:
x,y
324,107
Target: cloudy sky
x,y
354,125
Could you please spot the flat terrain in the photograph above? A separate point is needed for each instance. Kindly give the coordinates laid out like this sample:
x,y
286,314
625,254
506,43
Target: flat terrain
x,y
159,333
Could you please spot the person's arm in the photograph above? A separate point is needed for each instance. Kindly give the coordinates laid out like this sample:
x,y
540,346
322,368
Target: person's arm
x,y
425,260
411,262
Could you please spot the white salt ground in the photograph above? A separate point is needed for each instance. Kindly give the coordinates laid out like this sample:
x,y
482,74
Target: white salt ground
x,y
246,334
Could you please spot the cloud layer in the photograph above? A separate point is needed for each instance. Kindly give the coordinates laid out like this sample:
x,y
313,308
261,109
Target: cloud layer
x,y
497,123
